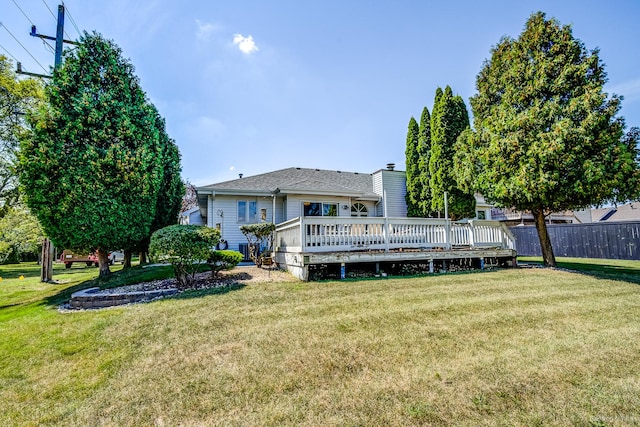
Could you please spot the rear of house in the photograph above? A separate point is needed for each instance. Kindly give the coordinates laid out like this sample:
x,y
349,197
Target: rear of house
x,y
286,194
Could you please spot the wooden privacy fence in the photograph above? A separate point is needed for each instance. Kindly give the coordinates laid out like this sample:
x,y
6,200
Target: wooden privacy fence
x,y
618,240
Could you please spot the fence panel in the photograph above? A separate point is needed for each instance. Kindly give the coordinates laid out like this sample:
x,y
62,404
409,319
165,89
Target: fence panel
x,y
616,240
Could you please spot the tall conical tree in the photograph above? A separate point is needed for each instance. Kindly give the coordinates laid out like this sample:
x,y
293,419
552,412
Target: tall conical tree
x,y
449,119
424,151
414,183
92,168
170,195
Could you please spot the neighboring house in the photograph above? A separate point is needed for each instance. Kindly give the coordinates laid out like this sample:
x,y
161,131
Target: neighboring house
x,y
191,216
512,217
285,194
627,212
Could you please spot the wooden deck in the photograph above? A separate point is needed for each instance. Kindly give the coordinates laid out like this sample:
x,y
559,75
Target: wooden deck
x,y
306,241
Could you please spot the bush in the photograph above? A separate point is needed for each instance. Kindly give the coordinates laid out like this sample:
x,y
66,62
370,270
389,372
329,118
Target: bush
x,y
185,247
260,238
223,260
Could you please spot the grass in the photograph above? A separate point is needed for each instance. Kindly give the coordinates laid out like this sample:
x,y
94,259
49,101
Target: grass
x,y
511,347
615,269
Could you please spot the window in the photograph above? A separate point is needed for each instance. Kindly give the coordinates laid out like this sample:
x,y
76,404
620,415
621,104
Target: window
x,y
482,215
320,209
247,211
359,209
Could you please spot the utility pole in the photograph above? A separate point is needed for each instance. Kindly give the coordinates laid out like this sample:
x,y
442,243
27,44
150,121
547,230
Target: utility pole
x,y
59,39
46,270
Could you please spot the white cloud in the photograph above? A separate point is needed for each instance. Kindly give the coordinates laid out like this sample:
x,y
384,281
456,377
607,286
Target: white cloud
x,y
245,44
232,168
205,29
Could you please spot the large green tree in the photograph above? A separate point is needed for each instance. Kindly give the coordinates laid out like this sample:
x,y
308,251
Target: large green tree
x,y
424,150
172,190
20,235
414,185
448,120
92,168
546,135
17,97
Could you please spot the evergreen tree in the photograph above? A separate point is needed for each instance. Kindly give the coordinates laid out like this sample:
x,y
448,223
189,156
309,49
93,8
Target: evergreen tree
x,y
172,189
424,150
448,120
546,136
414,184
92,168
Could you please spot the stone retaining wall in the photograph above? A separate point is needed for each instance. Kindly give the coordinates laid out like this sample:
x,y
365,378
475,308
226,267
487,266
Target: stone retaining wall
x,y
93,298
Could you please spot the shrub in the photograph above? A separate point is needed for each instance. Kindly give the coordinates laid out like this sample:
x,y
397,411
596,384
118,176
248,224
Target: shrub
x,y
223,260
260,238
185,247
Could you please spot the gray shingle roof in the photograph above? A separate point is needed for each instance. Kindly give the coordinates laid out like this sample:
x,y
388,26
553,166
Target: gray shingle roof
x,y
627,212
300,180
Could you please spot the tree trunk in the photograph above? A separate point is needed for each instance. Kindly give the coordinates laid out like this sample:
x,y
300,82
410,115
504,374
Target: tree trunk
x,y
103,262
126,262
46,268
143,257
548,257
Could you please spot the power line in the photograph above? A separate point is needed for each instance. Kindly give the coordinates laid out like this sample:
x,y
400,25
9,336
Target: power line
x,y
50,11
54,16
25,49
48,46
8,53
25,15
44,42
72,20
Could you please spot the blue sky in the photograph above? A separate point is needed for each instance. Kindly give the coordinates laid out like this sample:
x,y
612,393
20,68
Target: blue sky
x,y
254,86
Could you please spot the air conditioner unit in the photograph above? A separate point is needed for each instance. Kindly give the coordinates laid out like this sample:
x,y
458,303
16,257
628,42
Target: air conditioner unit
x,y
243,248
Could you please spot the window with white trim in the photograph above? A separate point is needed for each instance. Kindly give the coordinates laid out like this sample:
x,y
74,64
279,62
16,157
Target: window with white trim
x,y
359,209
247,211
320,209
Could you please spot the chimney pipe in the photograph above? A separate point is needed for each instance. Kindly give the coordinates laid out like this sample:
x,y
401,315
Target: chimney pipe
x,y
391,166
240,175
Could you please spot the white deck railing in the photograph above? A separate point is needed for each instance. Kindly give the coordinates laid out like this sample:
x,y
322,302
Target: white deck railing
x,y
336,234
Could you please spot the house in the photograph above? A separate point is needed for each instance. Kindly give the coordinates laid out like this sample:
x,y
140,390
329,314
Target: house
x,y
626,212
285,194
191,216
343,218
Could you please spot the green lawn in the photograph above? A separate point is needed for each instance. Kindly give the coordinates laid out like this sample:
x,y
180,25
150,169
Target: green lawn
x,y
511,347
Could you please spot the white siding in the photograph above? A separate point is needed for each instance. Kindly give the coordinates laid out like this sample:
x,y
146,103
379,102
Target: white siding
x,y
378,188
393,186
195,218
228,207
279,210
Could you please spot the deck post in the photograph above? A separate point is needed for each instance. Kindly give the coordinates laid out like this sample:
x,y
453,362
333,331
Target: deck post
x,y
385,233
471,234
303,242
430,265
447,234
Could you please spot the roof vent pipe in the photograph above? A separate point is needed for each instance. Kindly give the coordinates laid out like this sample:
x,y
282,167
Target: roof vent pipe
x,y
391,166
240,175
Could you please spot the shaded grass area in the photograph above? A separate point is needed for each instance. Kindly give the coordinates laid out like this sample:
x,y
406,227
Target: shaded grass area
x,y
511,347
615,269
